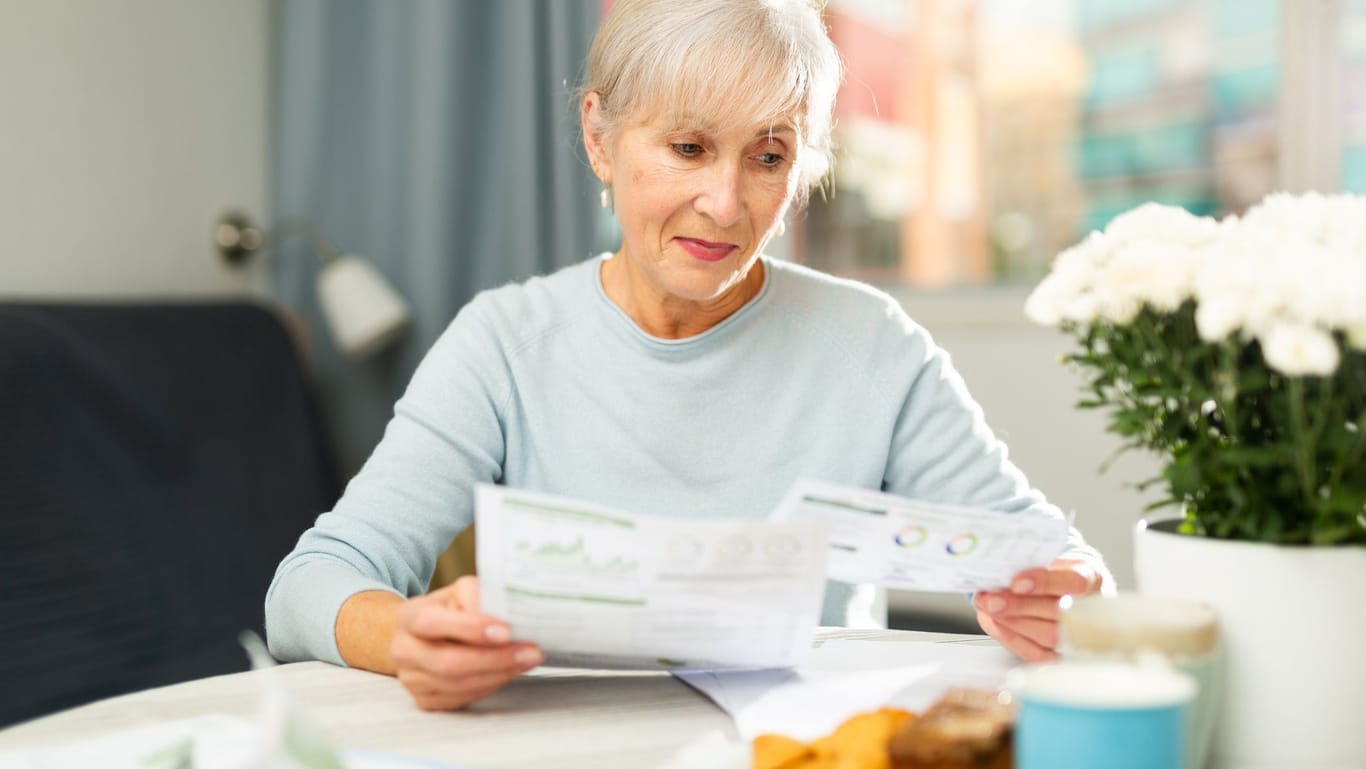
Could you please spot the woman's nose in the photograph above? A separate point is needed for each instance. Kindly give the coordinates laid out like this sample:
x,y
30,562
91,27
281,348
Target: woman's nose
x,y
719,198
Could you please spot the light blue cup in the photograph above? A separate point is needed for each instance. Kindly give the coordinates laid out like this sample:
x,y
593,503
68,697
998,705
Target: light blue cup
x,y
1101,715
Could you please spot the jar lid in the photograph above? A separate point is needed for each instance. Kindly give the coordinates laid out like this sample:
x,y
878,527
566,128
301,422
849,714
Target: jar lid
x,y
1130,624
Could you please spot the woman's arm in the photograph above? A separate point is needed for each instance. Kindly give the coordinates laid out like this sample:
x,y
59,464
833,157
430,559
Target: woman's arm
x,y
403,508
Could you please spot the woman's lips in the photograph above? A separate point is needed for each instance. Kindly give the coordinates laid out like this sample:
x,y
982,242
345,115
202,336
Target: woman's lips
x,y
705,250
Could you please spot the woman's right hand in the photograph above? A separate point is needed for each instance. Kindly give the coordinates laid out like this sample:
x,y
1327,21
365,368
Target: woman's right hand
x,y
447,654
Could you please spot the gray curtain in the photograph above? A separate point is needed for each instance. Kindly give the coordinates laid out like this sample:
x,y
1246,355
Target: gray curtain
x,y
438,139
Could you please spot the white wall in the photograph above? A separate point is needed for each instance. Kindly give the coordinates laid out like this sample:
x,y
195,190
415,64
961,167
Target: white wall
x,y
1012,369
126,127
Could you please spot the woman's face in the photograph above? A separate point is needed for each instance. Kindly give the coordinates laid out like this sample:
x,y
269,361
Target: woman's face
x,y
696,203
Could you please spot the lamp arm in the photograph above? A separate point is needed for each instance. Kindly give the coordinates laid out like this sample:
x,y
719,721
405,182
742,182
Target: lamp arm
x,y
309,231
237,238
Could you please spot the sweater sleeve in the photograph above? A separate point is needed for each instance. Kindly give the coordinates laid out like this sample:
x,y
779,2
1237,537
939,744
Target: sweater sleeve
x,y
942,449
409,500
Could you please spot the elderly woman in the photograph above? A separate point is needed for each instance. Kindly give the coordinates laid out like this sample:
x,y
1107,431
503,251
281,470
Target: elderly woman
x,y
686,375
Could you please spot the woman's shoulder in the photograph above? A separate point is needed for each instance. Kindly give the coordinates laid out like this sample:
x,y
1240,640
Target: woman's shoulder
x,y
528,308
829,299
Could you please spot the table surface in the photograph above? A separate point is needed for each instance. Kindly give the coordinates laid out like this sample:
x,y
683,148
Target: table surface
x,y
547,718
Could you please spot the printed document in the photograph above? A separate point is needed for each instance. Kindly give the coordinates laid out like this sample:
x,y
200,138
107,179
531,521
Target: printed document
x,y
844,677
907,544
603,588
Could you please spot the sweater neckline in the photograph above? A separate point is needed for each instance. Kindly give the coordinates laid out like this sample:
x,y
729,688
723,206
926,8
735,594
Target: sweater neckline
x,y
621,320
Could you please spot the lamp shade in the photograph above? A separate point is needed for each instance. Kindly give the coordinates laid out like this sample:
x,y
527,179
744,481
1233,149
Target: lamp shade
x,y
363,311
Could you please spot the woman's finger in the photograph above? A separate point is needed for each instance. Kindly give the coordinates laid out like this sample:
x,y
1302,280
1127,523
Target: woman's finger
x,y
428,696
467,588
448,676
1002,604
1024,648
437,622
454,661
1040,631
1062,577
464,688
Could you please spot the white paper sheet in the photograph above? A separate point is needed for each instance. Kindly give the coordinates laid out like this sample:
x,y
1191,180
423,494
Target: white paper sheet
x,y
804,704
846,677
911,545
957,665
597,587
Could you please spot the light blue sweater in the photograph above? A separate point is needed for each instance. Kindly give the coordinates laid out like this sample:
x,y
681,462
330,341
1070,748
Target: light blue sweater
x,y
549,386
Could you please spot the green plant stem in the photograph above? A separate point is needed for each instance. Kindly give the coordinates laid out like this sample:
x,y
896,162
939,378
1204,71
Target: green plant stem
x,y
1303,450
1323,414
1227,391
1354,455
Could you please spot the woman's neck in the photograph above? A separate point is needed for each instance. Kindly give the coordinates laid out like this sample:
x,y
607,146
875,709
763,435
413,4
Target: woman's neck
x,y
666,316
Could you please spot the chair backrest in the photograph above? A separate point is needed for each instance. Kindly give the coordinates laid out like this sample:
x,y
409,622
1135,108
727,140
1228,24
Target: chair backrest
x,y
156,463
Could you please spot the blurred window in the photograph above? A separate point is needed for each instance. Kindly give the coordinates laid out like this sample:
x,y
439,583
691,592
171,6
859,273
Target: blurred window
x,y
978,138
1354,97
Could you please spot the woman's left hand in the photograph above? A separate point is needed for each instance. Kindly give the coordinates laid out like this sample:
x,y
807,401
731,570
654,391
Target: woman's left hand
x,y
1024,619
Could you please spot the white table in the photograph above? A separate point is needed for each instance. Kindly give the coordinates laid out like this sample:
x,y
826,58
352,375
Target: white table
x,y
546,719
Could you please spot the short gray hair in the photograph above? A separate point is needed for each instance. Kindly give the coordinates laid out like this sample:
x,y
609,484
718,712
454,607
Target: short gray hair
x,y
739,61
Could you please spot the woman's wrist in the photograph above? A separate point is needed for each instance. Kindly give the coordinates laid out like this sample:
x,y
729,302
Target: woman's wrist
x,y
365,625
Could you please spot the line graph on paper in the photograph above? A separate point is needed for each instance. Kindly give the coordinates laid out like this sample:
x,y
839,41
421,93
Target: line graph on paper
x,y
574,556
562,548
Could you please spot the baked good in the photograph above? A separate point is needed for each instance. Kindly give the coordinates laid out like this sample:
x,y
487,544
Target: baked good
x,y
964,729
858,743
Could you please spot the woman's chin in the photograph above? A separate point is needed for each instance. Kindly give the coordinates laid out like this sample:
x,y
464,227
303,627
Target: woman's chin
x,y
704,282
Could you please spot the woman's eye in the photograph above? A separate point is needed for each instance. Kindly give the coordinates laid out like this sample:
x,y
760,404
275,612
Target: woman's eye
x,y
771,159
688,150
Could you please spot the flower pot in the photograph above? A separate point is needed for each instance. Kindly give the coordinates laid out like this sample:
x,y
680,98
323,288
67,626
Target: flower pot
x,y
1292,627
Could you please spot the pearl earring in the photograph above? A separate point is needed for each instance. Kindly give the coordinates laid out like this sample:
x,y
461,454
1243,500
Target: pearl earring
x,y
605,197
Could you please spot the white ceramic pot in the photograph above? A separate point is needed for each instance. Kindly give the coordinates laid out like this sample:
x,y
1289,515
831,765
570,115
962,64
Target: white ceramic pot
x,y
1293,625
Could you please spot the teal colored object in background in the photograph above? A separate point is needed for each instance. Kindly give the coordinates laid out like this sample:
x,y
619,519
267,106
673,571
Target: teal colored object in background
x,y
1354,169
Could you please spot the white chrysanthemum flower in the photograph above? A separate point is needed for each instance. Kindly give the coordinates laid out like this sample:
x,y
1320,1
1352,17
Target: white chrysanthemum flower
x,y
1080,262
1083,308
1215,319
1299,350
1333,221
1116,306
1073,273
1154,222
1151,273
1146,256
1044,305
1245,281
1342,301
1299,270
1291,259
1328,289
